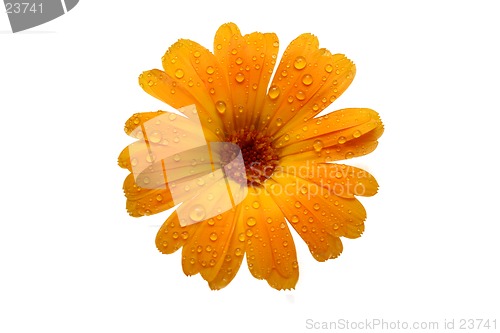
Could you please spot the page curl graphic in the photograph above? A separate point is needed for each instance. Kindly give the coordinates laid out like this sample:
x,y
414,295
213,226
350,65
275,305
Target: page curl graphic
x,y
172,153
26,14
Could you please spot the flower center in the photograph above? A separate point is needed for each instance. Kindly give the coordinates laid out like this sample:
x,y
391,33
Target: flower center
x,y
258,154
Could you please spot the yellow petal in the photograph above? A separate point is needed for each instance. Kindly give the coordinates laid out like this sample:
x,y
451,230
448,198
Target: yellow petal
x,y
271,251
248,62
145,201
307,80
326,140
316,214
174,92
172,236
338,179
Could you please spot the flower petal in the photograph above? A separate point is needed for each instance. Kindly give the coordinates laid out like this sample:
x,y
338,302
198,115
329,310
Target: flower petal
x,y
271,251
206,250
172,236
340,135
339,179
248,62
317,215
307,80
144,201
185,83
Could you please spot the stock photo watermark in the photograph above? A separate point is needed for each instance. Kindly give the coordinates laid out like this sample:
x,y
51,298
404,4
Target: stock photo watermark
x,y
380,324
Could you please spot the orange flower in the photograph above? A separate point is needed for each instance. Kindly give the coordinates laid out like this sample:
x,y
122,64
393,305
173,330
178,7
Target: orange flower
x,y
285,149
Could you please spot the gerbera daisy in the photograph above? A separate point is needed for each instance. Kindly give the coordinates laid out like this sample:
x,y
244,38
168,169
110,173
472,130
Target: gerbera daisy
x,y
286,153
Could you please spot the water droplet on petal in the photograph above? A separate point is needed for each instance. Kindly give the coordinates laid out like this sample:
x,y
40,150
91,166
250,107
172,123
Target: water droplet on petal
x,y
177,158
179,73
197,54
274,92
356,134
159,197
155,137
279,122
316,206
150,83
349,155
172,116
220,106
255,204
300,95
251,221
213,236
210,70
197,213
318,145
341,140
299,63
338,174
239,77
307,79
239,61
294,219
329,68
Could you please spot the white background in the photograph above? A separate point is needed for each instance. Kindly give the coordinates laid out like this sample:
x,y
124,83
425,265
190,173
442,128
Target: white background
x,y
71,258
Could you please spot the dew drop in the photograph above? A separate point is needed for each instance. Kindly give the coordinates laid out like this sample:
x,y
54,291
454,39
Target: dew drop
x,y
298,204
356,134
177,158
307,79
328,68
197,213
251,221
210,70
237,252
239,61
150,83
213,236
241,237
256,204
200,181
349,155
279,122
239,77
274,92
172,116
300,95
159,197
179,73
294,219
284,73
338,174
316,206
341,140
299,63
318,145
197,54
155,137
285,243
220,106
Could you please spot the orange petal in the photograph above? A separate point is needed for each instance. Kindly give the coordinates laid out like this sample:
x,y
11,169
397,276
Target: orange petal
x,y
271,251
317,214
206,250
307,80
338,179
232,256
144,201
248,62
173,92
172,236
322,141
